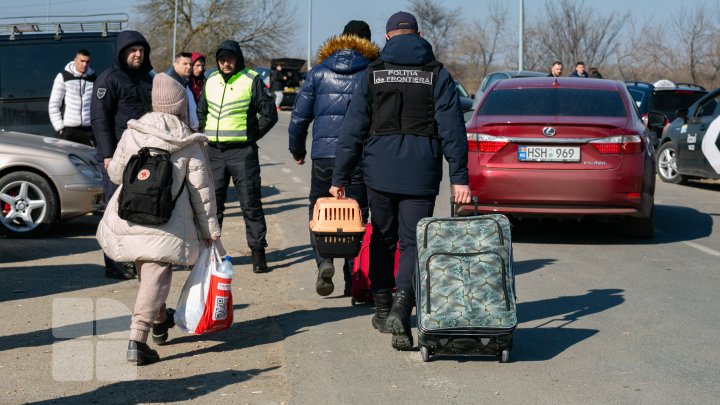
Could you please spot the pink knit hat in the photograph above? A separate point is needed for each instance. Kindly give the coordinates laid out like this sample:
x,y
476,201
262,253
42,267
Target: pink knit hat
x,y
168,96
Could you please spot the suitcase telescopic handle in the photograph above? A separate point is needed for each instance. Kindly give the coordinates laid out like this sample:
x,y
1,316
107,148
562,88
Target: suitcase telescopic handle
x,y
452,205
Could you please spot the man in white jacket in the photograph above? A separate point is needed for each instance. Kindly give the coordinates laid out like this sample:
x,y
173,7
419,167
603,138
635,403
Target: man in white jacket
x,y
69,105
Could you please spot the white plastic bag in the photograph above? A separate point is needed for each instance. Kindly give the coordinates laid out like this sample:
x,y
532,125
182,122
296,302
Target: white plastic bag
x,y
205,303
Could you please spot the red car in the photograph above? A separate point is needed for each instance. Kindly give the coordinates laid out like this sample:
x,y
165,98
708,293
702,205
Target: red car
x,y
565,147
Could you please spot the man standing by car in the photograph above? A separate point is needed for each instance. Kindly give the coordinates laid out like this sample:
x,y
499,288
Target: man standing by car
x,y
556,69
181,70
323,100
235,111
122,92
579,70
277,84
403,117
73,89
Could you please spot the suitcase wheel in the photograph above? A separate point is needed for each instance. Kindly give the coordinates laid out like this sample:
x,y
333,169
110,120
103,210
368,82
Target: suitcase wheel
x,y
504,356
425,353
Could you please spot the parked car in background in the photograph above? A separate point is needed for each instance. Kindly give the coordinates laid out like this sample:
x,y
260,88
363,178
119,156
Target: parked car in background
x,y
264,74
466,100
664,97
291,68
45,180
33,53
562,148
500,75
690,145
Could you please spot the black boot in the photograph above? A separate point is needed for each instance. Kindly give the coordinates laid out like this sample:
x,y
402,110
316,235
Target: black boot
x,y
398,321
324,284
259,262
140,353
160,330
383,303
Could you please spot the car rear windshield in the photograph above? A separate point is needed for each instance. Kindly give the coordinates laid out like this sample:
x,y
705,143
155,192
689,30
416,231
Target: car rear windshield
x,y
554,102
668,102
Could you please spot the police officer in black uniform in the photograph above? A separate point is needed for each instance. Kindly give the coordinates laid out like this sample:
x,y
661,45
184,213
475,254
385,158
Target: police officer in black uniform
x,y
404,116
122,93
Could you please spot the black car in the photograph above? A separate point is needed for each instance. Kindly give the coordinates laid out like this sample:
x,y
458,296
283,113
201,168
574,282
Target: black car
x,y
664,97
291,68
32,56
690,145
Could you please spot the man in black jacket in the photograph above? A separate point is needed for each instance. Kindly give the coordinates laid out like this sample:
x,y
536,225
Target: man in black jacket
x,y
235,110
404,116
122,93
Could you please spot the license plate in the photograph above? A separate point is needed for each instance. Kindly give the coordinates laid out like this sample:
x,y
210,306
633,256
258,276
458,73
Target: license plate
x,y
549,153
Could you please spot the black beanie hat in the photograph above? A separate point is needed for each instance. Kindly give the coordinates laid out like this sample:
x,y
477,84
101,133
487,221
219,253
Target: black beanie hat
x,y
358,28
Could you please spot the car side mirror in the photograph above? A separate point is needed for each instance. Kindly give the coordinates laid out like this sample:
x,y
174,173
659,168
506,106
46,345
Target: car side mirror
x,y
656,119
683,113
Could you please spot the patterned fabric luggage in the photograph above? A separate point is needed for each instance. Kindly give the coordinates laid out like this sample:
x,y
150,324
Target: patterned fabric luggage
x,y
465,286
360,290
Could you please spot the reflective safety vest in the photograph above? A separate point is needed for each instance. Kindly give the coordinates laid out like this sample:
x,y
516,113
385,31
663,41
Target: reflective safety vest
x,y
228,105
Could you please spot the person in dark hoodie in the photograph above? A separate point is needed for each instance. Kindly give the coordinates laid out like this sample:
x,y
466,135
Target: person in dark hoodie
x,y
122,93
324,98
248,113
404,115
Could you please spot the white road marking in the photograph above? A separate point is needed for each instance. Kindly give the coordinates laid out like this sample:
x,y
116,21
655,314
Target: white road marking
x,y
285,170
263,157
702,248
296,180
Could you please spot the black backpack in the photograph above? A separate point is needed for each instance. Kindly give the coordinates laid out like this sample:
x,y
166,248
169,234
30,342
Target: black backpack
x,y
146,193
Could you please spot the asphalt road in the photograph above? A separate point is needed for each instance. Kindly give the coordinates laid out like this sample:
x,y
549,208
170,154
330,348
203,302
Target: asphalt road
x,y
603,319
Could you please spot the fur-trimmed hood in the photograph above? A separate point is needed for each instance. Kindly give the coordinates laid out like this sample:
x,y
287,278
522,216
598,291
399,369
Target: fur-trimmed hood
x,y
345,53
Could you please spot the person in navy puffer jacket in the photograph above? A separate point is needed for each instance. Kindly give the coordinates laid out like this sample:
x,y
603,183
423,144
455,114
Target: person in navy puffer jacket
x,y
324,99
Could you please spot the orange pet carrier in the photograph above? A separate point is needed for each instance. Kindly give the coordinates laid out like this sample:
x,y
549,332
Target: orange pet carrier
x,y
337,227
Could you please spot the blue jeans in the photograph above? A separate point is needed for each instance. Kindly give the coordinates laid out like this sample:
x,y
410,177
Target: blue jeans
x,y
320,183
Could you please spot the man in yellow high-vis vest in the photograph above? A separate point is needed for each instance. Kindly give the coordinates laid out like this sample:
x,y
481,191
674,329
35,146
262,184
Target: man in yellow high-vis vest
x,y
235,110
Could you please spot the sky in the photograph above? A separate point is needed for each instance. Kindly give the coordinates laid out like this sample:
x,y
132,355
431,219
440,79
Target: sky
x,y
330,16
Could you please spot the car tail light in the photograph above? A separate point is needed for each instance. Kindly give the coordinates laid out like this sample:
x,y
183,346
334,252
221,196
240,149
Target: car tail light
x,y
645,119
617,144
485,143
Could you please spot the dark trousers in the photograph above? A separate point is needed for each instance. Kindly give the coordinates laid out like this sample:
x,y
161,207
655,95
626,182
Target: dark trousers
x,y
240,161
395,217
79,135
320,183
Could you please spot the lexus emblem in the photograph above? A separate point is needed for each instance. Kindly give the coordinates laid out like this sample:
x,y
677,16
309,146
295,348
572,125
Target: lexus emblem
x,y
549,131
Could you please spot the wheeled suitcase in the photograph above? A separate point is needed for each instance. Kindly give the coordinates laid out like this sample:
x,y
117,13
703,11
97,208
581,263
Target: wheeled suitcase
x,y
465,286
360,288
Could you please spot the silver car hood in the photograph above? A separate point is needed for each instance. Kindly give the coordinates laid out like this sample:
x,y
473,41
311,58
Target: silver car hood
x,y
49,144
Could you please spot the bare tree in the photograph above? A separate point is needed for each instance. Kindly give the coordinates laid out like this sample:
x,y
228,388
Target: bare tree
x,y
574,32
260,26
694,39
481,47
437,23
